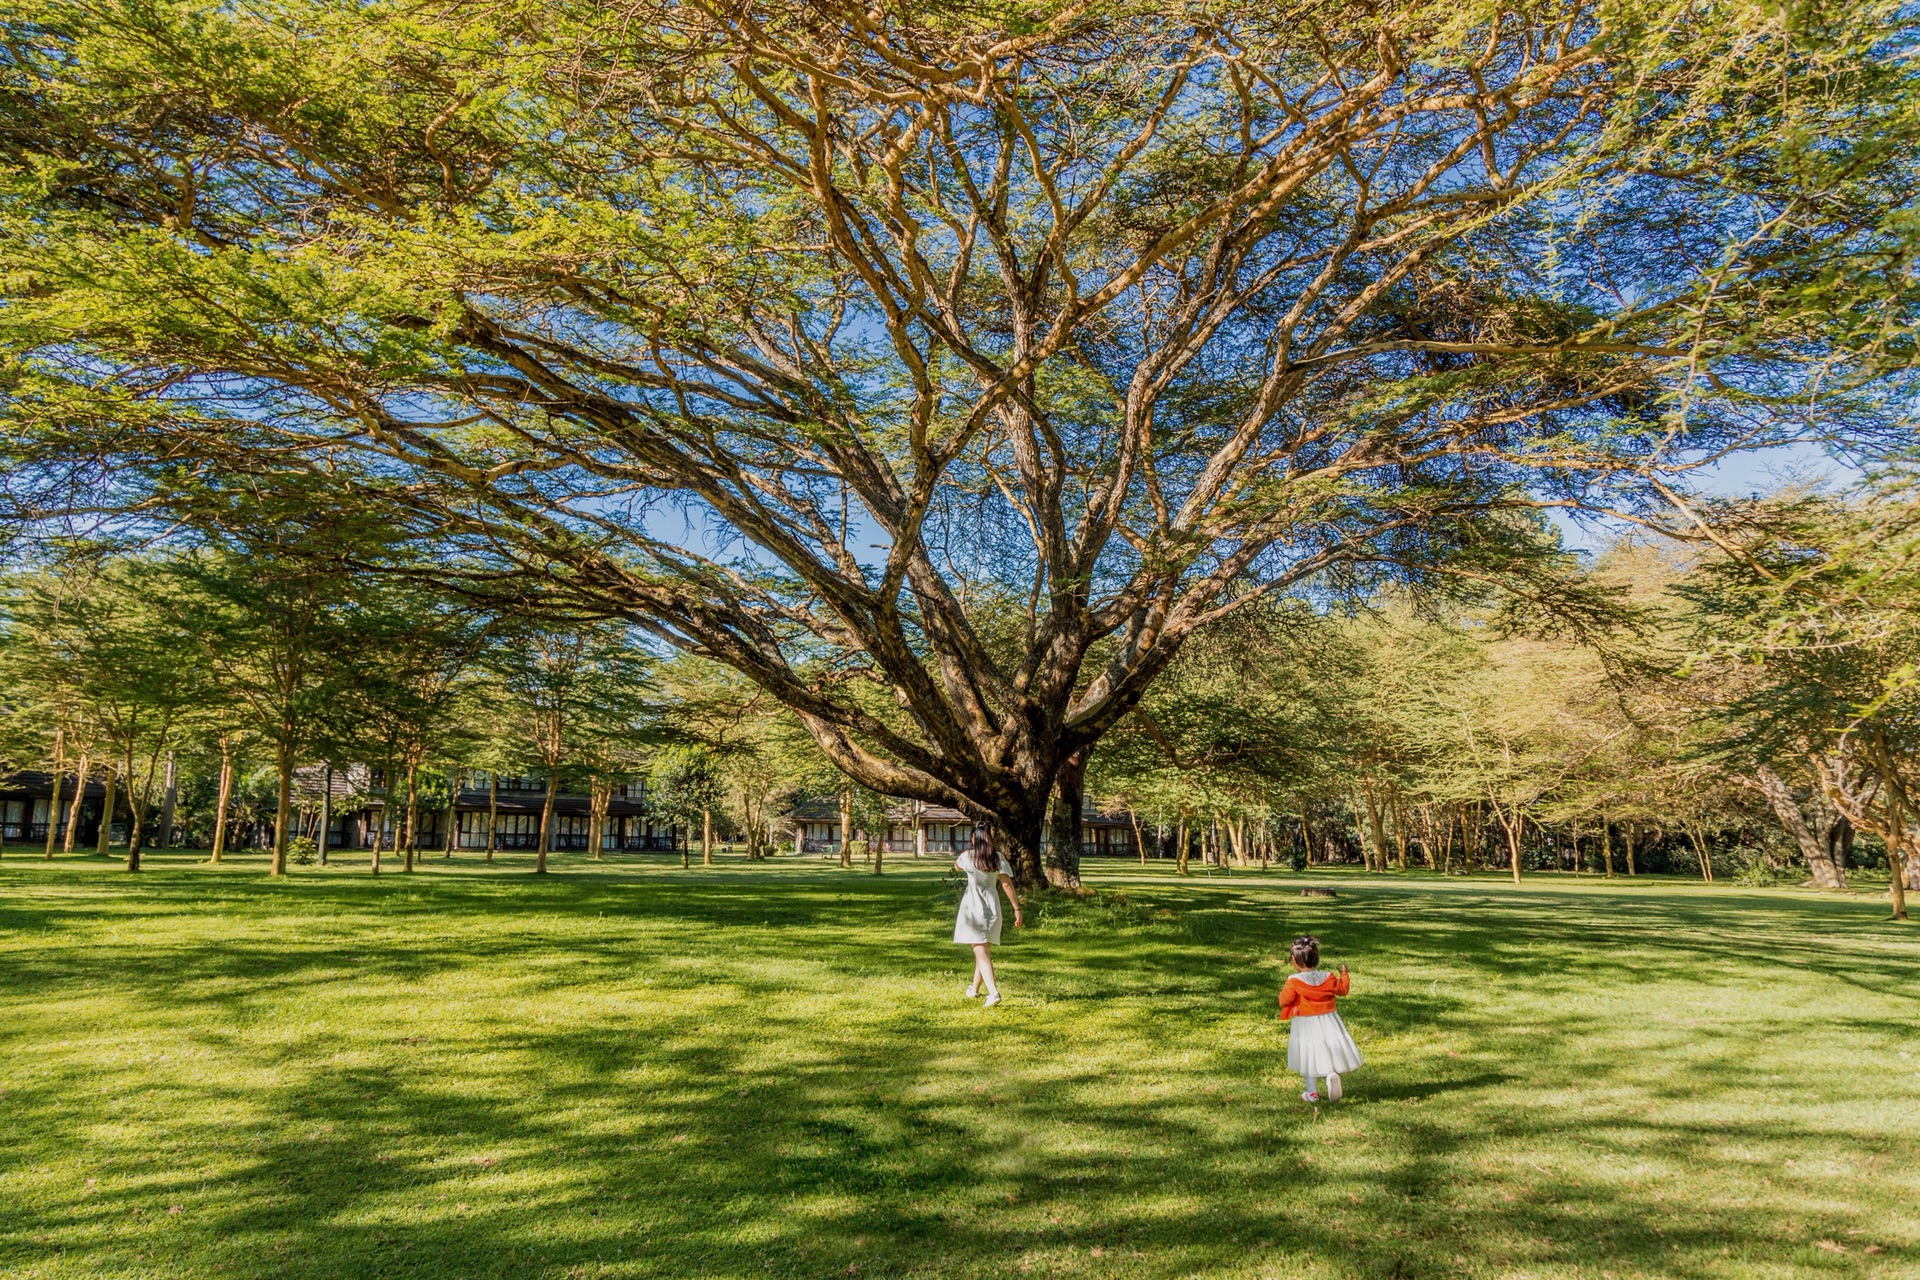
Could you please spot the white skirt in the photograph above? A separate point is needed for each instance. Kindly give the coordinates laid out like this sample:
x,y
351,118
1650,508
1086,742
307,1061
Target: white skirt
x,y
1318,1045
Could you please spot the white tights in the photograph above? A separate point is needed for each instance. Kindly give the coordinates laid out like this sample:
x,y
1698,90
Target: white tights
x,y
1332,1081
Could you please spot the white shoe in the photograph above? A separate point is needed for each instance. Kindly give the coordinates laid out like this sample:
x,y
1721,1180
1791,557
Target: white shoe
x,y
1309,1096
1333,1088
991,1001
972,992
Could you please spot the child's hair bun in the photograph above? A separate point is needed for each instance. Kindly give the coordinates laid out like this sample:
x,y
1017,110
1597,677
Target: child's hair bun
x,y
1306,950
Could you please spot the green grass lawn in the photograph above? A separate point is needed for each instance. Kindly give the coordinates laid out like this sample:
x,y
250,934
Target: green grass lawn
x,y
635,1070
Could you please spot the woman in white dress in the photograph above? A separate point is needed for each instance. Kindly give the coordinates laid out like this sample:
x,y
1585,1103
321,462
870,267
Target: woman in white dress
x,y
978,923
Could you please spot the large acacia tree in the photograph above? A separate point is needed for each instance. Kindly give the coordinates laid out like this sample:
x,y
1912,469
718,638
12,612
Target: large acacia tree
x,y
990,349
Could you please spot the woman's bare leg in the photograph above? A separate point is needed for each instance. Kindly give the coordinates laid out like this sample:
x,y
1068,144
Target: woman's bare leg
x,y
983,968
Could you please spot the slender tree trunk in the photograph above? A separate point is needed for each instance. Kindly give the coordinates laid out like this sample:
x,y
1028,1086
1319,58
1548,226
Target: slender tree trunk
x,y
1626,833
137,801
706,835
846,826
1696,837
106,813
546,825
1139,846
59,777
1512,830
79,797
222,797
411,840
323,836
379,837
1787,809
133,814
1399,834
878,843
1606,844
597,817
1069,812
493,811
1180,850
283,805
169,800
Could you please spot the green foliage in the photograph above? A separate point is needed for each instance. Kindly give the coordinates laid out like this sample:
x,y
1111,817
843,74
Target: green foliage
x,y
1084,317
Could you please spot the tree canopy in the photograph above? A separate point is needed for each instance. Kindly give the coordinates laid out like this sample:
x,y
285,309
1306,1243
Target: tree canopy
x,y
995,350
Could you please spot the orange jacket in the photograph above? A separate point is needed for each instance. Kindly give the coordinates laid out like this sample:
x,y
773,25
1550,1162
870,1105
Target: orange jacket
x,y
1306,999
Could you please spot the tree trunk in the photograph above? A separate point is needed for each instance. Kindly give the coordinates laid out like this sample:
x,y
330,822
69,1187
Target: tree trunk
x,y
597,817
1180,849
453,825
1399,835
493,811
1606,844
706,835
1697,836
323,836
221,799
1512,830
282,807
411,840
846,826
546,826
1139,846
137,800
169,799
106,813
1069,811
1787,810
1839,843
133,816
878,843
1376,855
79,796
379,838
1626,833
59,778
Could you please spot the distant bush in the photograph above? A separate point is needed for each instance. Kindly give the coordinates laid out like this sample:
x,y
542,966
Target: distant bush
x,y
302,850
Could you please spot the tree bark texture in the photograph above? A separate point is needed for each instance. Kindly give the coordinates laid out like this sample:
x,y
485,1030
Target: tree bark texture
x,y
410,841
546,826
222,796
106,813
1069,807
323,836
283,805
79,796
59,780
1787,809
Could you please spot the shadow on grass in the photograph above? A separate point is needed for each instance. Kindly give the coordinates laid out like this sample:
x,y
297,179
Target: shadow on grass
x,y
738,1122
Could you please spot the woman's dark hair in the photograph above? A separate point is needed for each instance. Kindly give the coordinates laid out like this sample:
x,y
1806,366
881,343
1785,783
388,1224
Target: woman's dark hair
x,y
1306,950
984,858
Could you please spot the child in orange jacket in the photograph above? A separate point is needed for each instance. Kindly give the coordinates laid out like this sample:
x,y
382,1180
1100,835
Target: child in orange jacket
x,y
1318,1044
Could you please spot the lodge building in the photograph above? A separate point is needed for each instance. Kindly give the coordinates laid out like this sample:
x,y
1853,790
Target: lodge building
x,y
356,808
929,830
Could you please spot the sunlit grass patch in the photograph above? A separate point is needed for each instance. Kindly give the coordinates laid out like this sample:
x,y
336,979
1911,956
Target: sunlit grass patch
x,y
750,1071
